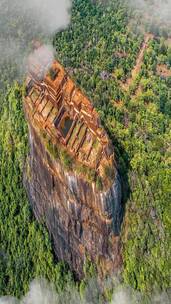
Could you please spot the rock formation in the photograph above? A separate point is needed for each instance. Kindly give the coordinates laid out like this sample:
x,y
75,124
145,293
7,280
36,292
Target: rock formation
x,y
71,175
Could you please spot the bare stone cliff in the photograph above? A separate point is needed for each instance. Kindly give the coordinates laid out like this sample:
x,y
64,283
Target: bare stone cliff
x,y
71,176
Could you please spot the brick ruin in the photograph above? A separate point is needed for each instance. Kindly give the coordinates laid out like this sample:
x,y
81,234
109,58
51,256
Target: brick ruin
x,y
55,105
82,219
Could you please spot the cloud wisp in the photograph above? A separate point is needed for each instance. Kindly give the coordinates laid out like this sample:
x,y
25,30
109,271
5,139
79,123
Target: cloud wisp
x,y
160,9
41,292
23,21
155,13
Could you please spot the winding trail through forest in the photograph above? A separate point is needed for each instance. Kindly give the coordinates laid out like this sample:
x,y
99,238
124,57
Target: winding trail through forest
x,y
139,62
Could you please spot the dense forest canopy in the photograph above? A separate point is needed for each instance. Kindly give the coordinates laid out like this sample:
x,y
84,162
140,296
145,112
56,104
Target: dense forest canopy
x,y
99,49
138,121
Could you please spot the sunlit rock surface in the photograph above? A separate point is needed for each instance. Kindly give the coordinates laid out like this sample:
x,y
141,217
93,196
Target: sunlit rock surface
x,y
84,222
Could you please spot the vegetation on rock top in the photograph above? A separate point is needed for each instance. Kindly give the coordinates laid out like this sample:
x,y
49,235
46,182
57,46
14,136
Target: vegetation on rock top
x,y
138,122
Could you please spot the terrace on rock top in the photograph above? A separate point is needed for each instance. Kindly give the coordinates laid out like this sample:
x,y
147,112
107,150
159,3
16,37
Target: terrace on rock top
x,y
55,105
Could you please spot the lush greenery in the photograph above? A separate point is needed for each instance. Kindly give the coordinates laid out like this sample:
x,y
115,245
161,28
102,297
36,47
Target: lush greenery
x,y
99,51
139,123
25,247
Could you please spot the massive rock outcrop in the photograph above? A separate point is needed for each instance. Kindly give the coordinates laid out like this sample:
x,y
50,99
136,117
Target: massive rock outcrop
x,y
71,176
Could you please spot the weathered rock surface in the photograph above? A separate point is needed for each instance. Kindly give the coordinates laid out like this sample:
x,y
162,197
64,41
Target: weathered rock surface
x,y
81,220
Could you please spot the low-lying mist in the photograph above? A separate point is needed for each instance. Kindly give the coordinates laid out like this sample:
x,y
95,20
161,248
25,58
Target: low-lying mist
x,y
41,292
156,8
21,22
155,14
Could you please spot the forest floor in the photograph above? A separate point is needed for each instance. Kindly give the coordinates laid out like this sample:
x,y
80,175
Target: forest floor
x,y
163,70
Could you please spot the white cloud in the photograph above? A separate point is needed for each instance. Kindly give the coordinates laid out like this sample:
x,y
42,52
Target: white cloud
x,y
160,9
22,21
41,292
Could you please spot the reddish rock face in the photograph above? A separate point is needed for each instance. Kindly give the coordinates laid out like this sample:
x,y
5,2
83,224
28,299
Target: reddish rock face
x,y
82,220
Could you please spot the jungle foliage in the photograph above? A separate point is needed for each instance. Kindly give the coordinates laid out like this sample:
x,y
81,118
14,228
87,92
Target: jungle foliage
x,y
25,248
97,46
99,51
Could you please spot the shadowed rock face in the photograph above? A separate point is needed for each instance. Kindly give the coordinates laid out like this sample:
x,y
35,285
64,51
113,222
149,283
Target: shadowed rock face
x,y
82,220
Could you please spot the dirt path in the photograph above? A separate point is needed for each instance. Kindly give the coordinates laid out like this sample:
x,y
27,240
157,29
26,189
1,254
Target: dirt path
x,y
139,62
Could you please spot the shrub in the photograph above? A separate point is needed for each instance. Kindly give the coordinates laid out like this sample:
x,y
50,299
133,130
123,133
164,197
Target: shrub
x,y
109,172
99,183
52,149
91,175
66,159
53,73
